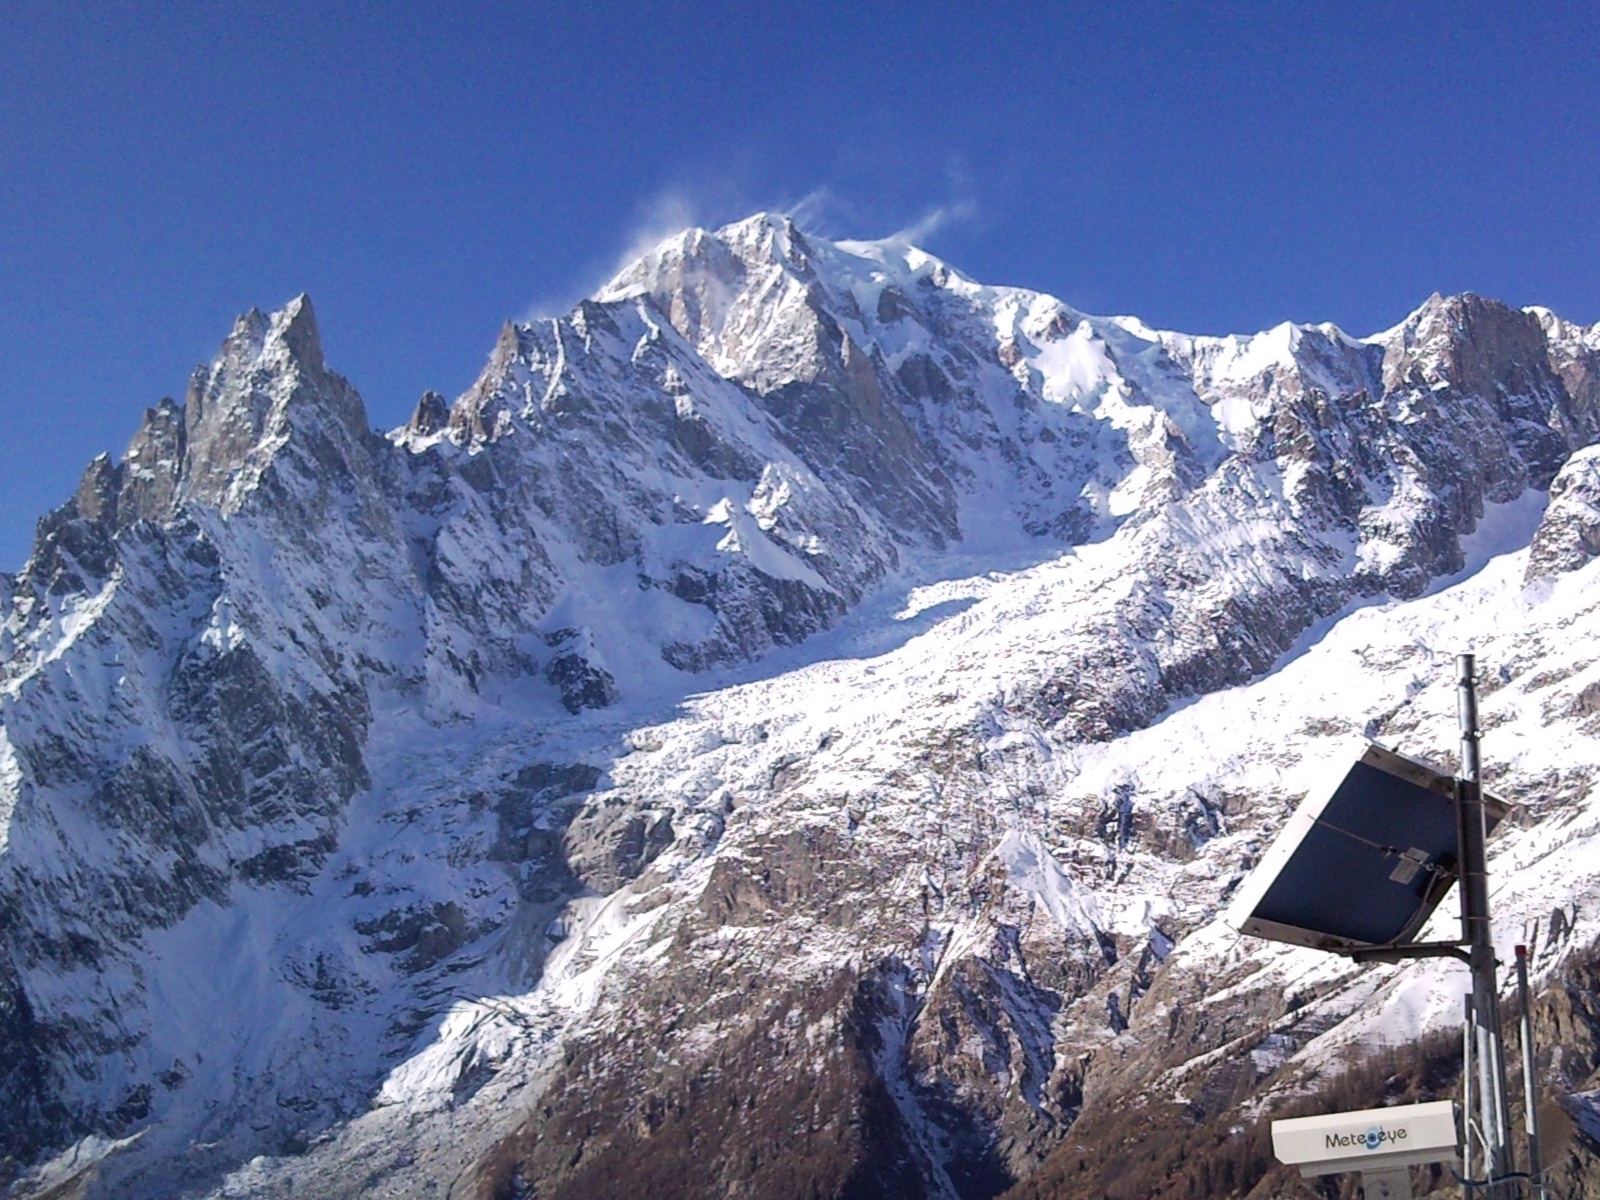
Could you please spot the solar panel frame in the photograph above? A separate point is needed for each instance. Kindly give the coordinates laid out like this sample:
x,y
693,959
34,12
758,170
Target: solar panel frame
x,y
1334,877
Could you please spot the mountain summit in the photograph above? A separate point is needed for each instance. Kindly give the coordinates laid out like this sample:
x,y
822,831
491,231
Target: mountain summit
x,y
786,730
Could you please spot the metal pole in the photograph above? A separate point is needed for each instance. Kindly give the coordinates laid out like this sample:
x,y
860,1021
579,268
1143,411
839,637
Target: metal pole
x,y
1530,1091
1475,919
1469,1111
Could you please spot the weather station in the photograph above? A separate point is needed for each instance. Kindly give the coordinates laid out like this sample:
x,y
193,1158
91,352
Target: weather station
x,y
1382,1143
1358,870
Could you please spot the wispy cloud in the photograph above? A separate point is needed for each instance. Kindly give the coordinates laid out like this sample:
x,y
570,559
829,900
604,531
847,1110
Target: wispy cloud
x,y
935,219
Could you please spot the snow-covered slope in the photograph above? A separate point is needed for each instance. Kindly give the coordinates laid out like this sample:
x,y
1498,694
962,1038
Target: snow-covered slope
x,y
787,729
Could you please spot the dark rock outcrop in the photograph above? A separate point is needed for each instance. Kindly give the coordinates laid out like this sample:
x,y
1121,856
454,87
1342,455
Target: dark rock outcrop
x,y
1569,535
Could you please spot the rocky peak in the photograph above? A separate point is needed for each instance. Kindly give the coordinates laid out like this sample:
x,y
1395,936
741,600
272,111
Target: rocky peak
x,y
477,416
96,497
768,238
296,328
1485,370
244,340
431,415
269,384
1466,341
153,465
506,347
73,546
735,293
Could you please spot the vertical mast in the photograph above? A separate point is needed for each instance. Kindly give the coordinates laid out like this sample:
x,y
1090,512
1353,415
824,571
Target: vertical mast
x,y
1489,1088
1530,1087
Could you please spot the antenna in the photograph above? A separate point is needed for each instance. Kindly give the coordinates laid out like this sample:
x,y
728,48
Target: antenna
x,y
1488,1157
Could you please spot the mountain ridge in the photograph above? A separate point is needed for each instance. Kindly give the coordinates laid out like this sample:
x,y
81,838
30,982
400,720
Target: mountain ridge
x,y
465,705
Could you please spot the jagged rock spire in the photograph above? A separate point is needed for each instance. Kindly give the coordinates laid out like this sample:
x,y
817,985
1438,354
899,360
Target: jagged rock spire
x,y
297,326
431,415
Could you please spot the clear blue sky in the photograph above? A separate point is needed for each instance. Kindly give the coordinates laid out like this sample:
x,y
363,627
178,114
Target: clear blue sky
x,y
427,170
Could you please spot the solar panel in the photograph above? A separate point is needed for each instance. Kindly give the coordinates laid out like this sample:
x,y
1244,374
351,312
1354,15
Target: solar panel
x,y
1362,864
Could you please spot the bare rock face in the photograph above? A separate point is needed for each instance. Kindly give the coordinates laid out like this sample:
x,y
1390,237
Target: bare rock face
x,y
786,730
1569,535
150,470
431,416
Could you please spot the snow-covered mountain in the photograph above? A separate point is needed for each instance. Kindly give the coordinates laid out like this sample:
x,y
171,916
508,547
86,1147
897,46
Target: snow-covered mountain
x,y
788,729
